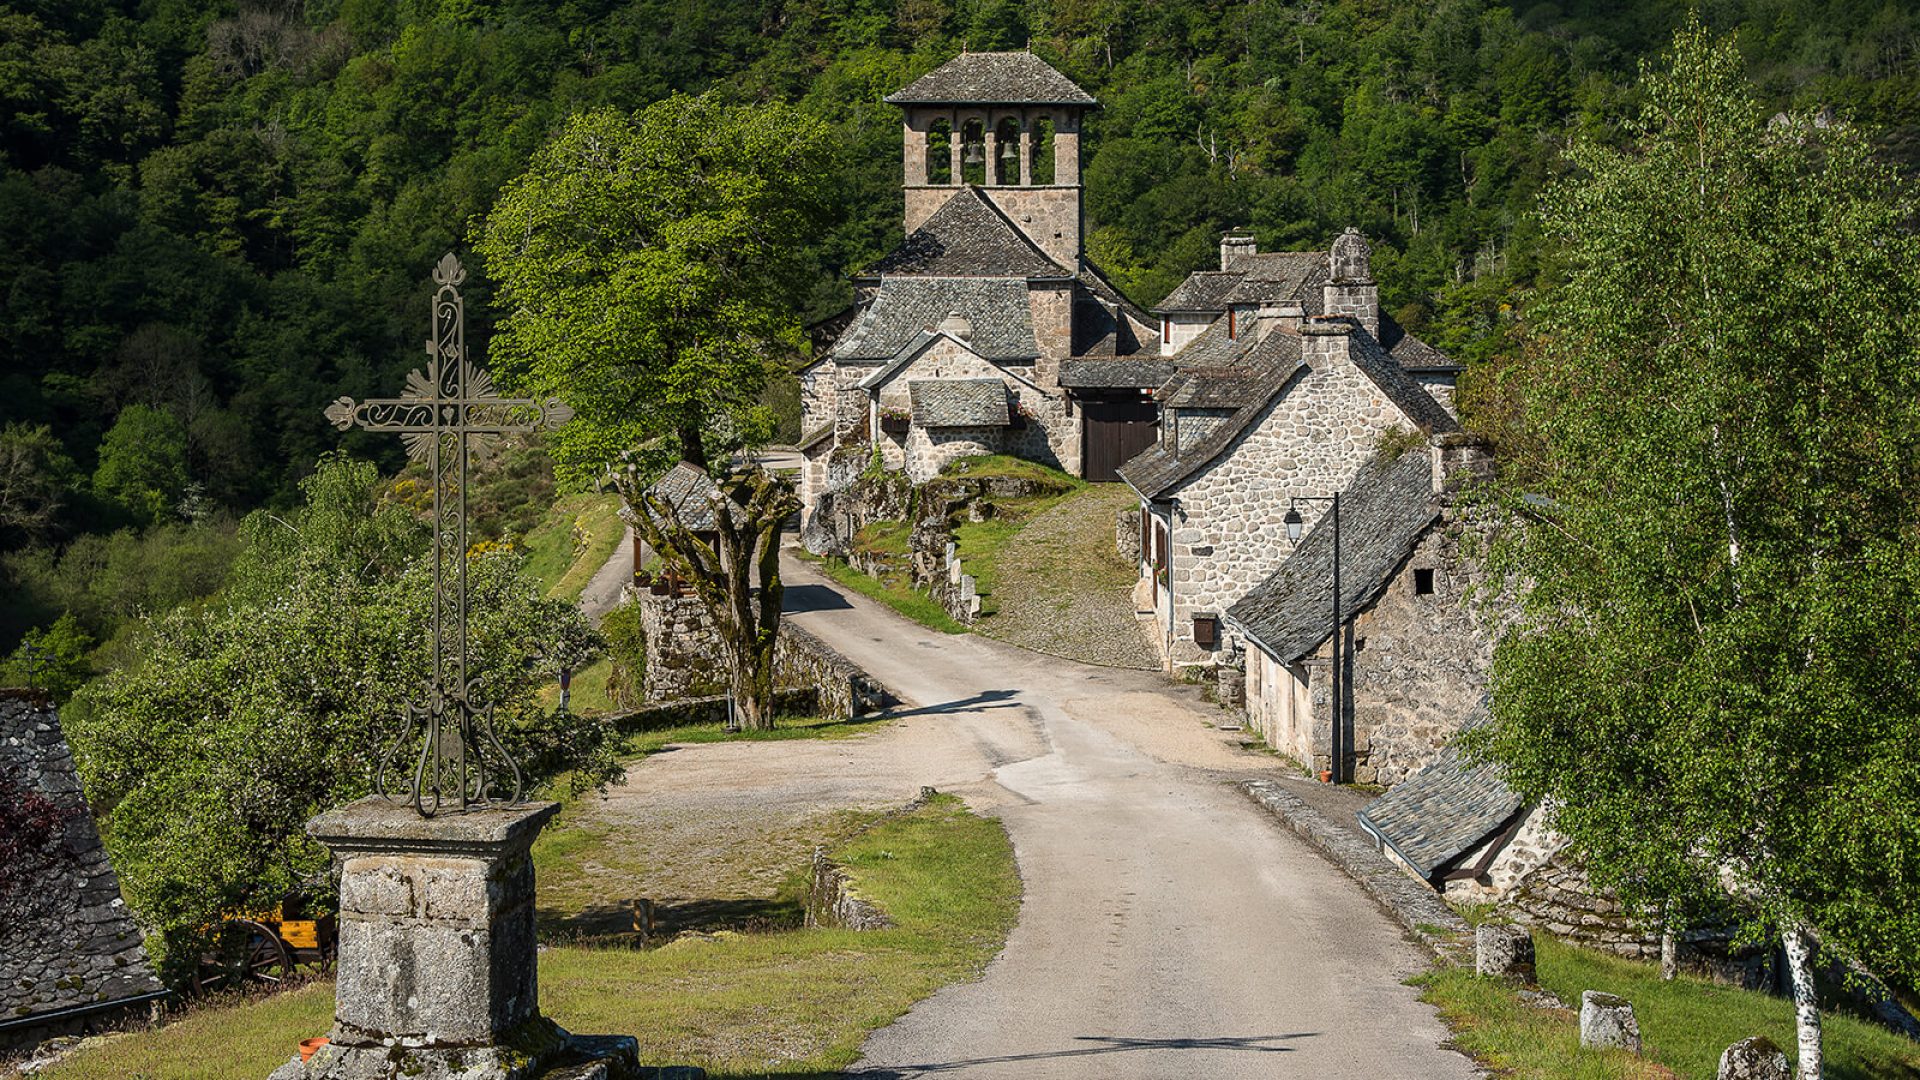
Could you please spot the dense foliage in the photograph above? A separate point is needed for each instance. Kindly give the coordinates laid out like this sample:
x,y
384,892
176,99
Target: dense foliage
x,y
1716,672
250,714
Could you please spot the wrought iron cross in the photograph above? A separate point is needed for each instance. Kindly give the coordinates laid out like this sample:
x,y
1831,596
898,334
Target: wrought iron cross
x,y
448,412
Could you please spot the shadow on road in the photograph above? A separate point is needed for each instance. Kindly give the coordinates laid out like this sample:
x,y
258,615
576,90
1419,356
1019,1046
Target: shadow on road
x,y
985,699
1098,1044
613,924
799,598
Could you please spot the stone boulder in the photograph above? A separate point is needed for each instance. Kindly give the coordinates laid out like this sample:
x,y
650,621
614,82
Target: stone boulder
x,y
1504,951
1755,1058
1606,1022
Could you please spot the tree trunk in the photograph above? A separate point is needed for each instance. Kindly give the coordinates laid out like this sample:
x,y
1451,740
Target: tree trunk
x,y
1806,1001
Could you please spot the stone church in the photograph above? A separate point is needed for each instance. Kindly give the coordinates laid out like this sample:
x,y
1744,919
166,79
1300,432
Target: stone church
x,y
987,330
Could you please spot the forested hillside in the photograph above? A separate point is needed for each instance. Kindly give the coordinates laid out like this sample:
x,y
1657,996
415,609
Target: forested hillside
x,y
216,217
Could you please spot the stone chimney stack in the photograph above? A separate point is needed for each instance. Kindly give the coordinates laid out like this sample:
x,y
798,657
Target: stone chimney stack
x,y
1235,246
1350,289
1459,459
1327,342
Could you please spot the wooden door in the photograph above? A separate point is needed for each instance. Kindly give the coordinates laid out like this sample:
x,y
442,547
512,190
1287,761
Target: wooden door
x,y
1115,432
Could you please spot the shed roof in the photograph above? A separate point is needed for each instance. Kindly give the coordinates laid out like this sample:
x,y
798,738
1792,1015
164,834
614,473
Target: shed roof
x,y
1443,811
941,403
1119,373
1383,513
968,237
992,78
904,307
688,491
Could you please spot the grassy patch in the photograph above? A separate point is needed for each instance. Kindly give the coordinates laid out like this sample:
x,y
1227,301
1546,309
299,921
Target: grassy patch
x,y
795,1003
590,695
884,537
573,541
1685,1023
986,466
895,593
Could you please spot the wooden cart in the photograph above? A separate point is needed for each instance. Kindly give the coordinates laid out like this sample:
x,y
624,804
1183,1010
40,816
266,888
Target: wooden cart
x,y
269,949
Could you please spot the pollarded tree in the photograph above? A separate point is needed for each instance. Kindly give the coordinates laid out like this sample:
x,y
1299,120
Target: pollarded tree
x,y
649,265
1716,679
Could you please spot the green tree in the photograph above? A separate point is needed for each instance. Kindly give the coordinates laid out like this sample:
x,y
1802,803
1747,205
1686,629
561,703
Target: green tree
x,y
648,262
143,464
277,700
35,478
53,659
1715,676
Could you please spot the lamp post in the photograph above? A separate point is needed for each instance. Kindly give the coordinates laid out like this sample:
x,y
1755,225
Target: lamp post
x,y
1336,698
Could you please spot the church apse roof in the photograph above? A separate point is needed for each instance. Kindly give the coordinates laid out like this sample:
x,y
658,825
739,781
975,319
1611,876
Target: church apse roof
x,y
968,237
992,78
904,307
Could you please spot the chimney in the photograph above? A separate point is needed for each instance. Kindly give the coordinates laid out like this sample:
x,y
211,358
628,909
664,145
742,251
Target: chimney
x,y
1235,246
1459,459
957,325
1327,341
1278,313
1350,289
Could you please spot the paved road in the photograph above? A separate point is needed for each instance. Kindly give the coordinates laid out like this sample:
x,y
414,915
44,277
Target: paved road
x,y
1169,928
602,593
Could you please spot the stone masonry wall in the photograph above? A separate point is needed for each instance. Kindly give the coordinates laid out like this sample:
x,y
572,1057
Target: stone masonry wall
x,y
1311,442
1420,664
684,661
67,939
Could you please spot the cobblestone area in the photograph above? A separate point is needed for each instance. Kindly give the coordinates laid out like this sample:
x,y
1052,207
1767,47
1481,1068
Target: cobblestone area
x,y
1064,591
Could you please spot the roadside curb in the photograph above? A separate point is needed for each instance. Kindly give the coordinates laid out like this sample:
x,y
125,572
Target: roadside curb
x,y
1410,903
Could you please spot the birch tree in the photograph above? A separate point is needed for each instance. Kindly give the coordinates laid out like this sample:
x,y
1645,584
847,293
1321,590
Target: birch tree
x,y
1716,678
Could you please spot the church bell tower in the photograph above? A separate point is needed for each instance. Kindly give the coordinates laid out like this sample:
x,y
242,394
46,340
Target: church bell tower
x,y
1008,125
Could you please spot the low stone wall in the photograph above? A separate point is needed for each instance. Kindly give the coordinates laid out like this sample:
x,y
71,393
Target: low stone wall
x,y
67,941
1559,898
709,709
686,666
1126,534
832,901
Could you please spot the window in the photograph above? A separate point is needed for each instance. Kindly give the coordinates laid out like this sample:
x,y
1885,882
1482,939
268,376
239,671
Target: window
x,y
1040,152
1423,582
1006,151
1233,324
1166,331
973,153
940,152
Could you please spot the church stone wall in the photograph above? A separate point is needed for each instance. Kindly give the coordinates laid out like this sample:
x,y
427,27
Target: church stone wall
x,y
66,939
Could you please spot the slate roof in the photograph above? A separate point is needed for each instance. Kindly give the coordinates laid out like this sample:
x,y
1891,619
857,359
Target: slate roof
x,y
1155,471
1441,812
1212,348
1119,373
992,78
1410,352
1216,388
904,307
819,435
968,237
688,490
1203,291
958,402
1383,512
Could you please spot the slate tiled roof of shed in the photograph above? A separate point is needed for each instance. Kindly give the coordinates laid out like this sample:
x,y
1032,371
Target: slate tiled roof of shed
x,y
1119,373
1410,352
904,307
1203,291
1442,812
688,490
992,78
968,237
1383,512
941,403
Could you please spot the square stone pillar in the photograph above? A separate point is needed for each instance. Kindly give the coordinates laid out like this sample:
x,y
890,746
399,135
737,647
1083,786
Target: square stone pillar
x,y
438,974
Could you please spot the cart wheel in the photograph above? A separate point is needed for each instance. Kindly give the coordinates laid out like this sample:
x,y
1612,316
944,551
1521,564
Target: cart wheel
x,y
249,955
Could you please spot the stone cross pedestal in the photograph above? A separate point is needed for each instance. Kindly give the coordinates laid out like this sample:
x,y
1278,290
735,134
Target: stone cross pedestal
x,y
437,975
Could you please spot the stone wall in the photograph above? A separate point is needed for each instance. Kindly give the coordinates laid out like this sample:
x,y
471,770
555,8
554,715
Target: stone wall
x,y
1560,899
1126,535
67,940
685,664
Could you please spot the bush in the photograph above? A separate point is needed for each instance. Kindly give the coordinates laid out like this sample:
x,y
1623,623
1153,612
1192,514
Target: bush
x,y
627,648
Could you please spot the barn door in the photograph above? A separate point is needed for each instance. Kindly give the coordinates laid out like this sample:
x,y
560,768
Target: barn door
x,y
1116,431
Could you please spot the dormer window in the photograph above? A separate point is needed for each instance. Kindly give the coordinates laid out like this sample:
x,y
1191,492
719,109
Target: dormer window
x,y
1233,324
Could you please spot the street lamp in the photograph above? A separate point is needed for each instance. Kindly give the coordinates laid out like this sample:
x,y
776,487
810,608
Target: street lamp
x,y
1295,524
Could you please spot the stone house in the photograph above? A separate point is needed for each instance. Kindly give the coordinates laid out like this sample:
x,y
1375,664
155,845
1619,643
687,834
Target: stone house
x,y
1415,655
1272,401
993,219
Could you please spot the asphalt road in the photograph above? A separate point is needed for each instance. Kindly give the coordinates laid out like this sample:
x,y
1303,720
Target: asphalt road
x,y
1169,928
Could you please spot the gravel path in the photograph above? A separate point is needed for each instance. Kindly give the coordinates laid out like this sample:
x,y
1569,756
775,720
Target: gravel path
x,y
602,593
1064,591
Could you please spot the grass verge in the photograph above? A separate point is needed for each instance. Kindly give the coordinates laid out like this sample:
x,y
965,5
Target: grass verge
x,y
573,541
788,1004
1685,1023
